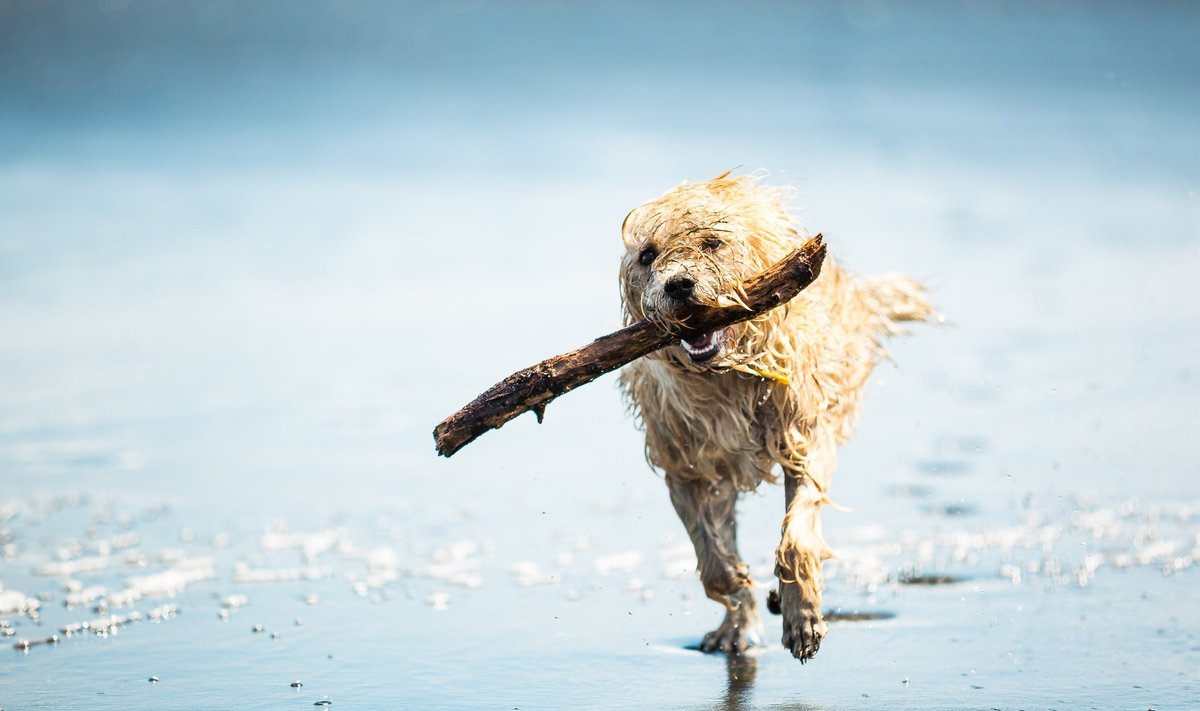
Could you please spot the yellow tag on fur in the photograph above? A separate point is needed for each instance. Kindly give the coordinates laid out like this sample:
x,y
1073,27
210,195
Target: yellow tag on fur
x,y
763,373
777,377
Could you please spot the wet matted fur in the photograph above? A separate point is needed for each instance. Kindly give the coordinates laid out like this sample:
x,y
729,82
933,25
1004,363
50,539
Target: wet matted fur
x,y
780,391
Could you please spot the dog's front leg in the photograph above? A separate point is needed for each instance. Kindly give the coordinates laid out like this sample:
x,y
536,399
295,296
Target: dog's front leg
x,y
707,511
798,567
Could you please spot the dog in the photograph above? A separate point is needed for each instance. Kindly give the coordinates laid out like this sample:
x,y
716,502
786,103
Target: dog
x,y
724,412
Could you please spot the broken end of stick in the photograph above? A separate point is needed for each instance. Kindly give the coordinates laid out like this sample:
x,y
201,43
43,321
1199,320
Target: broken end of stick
x,y
441,444
814,251
449,436
811,256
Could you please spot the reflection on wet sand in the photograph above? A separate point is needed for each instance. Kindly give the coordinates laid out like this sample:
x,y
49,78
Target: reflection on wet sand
x,y
741,670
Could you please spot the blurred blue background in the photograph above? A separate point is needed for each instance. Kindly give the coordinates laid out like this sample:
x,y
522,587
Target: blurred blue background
x,y
219,217
250,253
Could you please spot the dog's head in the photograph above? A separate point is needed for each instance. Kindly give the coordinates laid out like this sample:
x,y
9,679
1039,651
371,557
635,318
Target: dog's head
x,y
696,244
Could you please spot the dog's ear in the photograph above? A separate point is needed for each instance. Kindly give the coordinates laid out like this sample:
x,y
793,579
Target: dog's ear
x,y
625,226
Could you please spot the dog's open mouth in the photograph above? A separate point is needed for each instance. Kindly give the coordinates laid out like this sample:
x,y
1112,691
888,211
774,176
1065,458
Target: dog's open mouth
x,y
704,347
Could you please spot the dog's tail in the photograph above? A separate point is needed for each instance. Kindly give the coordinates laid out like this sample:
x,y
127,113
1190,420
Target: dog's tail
x,y
897,298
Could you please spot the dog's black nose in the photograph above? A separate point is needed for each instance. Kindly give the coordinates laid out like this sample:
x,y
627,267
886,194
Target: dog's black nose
x,y
680,287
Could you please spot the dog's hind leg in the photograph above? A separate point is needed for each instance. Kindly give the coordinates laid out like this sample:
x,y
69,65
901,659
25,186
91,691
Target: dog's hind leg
x,y
798,562
707,511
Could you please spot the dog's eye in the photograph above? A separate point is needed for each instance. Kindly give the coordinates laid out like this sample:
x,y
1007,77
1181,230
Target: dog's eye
x,y
712,244
646,258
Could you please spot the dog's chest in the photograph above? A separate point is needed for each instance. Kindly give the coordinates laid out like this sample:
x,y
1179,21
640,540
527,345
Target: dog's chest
x,y
707,422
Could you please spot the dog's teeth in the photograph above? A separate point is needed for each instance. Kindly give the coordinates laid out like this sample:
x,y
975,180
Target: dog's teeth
x,y
700,352
711,346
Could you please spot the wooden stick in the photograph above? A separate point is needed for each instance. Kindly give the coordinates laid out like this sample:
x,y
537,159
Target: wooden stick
x,y
533,388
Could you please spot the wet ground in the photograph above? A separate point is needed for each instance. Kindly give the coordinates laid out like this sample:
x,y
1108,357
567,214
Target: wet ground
x,y
248,260
434,608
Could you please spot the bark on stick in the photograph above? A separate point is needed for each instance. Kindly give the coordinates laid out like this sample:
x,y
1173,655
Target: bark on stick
x,y
534,387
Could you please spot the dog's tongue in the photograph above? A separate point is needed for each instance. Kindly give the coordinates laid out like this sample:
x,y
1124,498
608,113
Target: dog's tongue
x,y
701,342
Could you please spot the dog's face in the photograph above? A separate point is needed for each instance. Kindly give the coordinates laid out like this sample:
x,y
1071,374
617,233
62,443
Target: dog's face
x,y
694,245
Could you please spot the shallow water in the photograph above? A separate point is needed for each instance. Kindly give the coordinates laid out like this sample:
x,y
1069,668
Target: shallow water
x,y
249,257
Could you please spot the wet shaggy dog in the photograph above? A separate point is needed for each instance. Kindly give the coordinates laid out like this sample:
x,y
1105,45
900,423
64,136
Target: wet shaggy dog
x,y
728,410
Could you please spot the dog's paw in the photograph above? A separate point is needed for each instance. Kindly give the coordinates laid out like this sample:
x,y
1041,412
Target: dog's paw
x,y
739,631
727,638
799,599
803,632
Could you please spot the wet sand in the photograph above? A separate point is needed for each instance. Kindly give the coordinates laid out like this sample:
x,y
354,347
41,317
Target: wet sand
x,y
381,607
